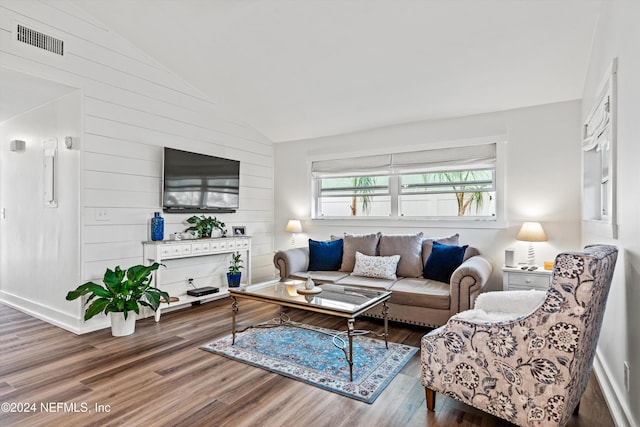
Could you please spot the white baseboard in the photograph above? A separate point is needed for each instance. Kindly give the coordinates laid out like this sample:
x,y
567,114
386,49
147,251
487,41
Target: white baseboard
x,y
620,411
55,317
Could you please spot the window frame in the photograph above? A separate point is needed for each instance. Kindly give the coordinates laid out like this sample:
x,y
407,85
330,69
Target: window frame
x,y
497,221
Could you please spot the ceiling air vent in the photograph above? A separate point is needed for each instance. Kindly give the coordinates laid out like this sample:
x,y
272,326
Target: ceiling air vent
x,y
40,40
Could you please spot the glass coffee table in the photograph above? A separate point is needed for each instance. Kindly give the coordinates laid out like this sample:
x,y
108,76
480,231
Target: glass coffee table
x,y
342,301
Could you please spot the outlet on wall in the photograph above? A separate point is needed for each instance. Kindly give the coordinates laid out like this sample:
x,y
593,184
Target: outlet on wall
x,y
627,374
102,214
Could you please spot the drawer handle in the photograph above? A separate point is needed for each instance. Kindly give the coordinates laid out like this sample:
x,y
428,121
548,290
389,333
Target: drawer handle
x,y
528,280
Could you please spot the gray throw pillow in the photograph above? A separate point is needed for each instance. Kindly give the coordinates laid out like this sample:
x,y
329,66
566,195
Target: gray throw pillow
x,y
427,244
409,247
364,243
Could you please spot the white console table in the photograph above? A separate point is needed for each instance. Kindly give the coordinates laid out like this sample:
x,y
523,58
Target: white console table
x,y
159,251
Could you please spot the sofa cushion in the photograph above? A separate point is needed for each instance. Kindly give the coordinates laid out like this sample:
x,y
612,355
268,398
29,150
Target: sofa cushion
x,y
366,282
325,256
409,247
319,276
364,243
427,244
421,293
443,261
381,267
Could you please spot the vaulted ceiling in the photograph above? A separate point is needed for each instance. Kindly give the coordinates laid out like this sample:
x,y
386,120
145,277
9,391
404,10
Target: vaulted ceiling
x,y
298,69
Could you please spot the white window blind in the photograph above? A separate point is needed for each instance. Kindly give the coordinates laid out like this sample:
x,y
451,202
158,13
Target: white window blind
x,y
366,165
454,158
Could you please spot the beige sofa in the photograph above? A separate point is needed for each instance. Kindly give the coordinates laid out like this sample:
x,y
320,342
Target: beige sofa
x,y
414,299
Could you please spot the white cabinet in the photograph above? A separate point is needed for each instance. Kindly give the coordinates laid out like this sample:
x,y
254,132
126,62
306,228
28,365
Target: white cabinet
x,y
175,249
516,279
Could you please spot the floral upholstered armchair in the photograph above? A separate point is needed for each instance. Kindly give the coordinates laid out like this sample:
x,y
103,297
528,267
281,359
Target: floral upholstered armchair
x,y
525,356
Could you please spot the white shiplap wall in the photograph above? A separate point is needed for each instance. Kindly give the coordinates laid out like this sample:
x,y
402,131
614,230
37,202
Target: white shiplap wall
x,y
132,107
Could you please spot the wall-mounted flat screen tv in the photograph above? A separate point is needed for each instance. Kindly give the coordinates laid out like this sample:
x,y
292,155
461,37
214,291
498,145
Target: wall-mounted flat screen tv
x,y
194,183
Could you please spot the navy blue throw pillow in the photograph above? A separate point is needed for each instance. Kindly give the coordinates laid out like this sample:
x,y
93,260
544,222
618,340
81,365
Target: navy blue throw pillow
x,y
443,261
325,256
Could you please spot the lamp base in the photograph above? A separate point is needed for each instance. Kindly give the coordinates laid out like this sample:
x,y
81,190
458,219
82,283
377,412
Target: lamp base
x,y
531,259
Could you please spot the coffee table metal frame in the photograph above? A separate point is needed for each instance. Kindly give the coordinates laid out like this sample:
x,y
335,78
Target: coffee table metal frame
x,y
305,303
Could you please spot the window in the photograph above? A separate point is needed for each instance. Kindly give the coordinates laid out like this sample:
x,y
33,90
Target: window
x,y
354,196
441,183
448,193
598,161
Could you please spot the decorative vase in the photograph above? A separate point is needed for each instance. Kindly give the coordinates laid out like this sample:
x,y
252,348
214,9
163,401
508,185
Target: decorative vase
x,y
233,279
309,284
120,326
157,227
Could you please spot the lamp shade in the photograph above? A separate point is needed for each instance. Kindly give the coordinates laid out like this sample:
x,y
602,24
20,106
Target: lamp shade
x,y
293,226
532,232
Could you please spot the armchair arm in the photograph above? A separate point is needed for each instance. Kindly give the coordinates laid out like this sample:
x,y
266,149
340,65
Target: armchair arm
x,y
518,302
291,260
467,282
502,306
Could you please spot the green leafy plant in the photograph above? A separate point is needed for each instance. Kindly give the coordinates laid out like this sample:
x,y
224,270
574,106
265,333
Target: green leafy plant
x,y
204,225
236,260
122,291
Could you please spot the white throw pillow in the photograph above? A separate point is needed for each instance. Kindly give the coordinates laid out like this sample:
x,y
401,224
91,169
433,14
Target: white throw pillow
x,y
379,267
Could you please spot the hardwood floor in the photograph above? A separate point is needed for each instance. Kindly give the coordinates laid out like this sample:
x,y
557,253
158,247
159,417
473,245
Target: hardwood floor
x,y
160,377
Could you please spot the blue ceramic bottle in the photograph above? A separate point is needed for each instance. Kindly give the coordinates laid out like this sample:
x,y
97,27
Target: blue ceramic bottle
x,y
157,227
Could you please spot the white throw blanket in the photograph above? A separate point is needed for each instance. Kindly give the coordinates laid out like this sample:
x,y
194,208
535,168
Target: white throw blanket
x,y
502,306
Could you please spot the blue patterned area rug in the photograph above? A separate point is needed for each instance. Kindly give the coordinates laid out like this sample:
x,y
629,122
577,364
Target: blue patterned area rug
x,y
307,353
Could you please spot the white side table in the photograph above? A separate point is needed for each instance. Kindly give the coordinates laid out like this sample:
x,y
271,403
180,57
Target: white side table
x,y
516,279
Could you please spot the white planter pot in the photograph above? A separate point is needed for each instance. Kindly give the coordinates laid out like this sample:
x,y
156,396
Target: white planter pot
x,y
121,327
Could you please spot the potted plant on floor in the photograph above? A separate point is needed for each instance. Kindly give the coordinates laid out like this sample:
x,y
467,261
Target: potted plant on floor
x,y
205,225
234,274
121,296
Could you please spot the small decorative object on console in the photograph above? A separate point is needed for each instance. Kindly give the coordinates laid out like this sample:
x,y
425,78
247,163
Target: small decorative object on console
x,y
234,275
157,227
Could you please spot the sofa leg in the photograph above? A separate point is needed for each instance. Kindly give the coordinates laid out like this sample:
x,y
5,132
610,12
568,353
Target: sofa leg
x,y
431,399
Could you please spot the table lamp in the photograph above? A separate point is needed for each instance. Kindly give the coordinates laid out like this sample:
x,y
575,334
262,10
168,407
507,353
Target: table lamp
x,y
293,226
531,232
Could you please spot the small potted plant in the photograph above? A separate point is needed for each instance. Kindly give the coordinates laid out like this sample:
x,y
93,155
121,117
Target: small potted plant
x,y
234,274
205,225
121,296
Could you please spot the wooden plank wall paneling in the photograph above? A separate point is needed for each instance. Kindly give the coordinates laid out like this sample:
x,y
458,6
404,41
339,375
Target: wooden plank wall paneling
x,y
132,107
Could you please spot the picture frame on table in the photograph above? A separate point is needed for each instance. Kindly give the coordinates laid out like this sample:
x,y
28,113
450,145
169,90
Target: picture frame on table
x,y
239,230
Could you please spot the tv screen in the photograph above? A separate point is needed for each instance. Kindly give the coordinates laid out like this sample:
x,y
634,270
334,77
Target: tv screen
x,y
195,182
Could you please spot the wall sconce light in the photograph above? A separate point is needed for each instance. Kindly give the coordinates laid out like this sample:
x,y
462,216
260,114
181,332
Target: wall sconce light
x,y
293,226
531,232
17,145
